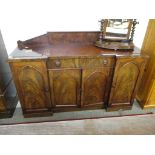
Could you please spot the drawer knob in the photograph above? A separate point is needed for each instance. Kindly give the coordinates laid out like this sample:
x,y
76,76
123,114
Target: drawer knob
x,y
57,63
105,62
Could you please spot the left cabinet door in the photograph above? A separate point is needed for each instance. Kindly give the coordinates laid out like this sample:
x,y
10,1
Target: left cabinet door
x,y
32,85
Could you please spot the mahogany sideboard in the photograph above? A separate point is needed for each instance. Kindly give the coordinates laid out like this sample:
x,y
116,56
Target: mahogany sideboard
x,y
63,71
8,95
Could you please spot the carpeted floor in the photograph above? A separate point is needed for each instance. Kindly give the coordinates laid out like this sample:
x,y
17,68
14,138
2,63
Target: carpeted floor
x,y
98,121
74,115
135,125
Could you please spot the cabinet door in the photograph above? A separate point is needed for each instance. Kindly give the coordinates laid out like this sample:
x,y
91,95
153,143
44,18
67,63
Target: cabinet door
x,y
95,86
65,87
127,73
32,85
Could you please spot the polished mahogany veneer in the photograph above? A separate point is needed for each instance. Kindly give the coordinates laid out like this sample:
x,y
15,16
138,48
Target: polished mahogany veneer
x,y
62,71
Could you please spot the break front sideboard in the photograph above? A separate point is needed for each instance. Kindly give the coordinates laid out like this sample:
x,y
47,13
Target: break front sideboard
x,y
64,71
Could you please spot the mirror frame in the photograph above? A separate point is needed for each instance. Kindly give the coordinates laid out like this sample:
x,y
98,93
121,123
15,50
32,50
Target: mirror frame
x,y
116,42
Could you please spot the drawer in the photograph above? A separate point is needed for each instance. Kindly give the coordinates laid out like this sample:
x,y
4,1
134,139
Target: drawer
x,y
96,62
62,63
83,62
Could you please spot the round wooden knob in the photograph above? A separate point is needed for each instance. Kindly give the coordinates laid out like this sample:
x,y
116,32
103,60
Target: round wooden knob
x,y
57,63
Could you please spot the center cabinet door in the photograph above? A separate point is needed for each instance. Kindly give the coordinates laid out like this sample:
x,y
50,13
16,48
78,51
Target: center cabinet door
x,y
65,87
95,86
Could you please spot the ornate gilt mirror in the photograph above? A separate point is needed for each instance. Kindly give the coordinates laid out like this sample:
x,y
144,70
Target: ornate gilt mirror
x,y
116,34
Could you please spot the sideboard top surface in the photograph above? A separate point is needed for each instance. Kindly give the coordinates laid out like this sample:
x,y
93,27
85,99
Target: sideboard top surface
x,y
65,44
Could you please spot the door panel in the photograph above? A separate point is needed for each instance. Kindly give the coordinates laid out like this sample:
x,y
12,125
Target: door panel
x,y
126,75
94,86
32,82
65,87
32,87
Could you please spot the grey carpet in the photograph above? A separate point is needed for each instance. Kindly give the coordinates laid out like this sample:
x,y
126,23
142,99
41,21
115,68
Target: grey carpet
x,y
135,125
18,117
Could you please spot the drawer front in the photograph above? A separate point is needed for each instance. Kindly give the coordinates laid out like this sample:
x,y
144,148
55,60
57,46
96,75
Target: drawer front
x,y
96,62
80,62
62,63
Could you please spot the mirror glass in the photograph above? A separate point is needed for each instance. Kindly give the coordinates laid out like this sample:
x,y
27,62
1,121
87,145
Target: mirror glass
x,y
118,29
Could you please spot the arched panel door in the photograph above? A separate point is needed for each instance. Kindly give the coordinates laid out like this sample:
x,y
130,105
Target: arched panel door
x,y
126,75
94,86
32,88
32,82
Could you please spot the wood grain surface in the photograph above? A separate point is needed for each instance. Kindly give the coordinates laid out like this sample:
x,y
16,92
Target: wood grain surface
x,y
73,74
